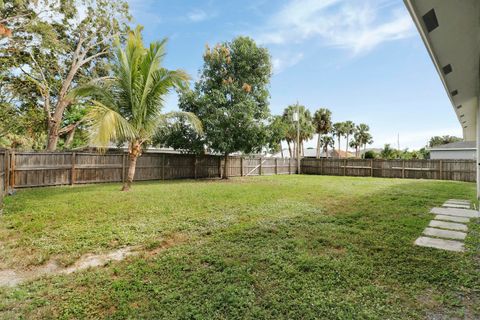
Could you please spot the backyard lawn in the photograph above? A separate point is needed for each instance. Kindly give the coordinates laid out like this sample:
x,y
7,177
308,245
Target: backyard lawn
x,y
278,247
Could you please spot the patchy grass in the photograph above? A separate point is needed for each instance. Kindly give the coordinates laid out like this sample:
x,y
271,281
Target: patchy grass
x,y
292,247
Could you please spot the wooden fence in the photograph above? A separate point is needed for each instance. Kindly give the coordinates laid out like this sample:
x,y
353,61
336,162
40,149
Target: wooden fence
x,y
255,166
4,165
458,170
37,169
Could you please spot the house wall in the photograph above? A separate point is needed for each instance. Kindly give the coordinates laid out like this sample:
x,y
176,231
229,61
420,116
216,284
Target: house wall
x,y
452,154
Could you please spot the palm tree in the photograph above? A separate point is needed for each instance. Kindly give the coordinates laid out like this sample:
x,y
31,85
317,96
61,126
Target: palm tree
x,y
349,129
364,137
338,131
327,141
322,120
355,144
387,152
127,107
306,125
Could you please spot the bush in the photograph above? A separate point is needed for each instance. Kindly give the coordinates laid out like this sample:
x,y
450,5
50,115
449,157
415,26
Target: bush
x,y
370,154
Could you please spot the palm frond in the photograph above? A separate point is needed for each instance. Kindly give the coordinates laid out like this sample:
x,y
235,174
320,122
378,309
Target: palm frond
x,y
107,125
98,92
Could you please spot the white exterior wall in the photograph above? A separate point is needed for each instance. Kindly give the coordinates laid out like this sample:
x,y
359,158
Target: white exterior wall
x,y
453,154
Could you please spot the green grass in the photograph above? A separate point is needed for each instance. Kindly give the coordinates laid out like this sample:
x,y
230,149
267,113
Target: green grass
x,y
280,247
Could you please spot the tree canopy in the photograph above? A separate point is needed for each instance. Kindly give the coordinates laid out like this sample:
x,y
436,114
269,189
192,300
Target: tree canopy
x,y
231,96
439,140
54,46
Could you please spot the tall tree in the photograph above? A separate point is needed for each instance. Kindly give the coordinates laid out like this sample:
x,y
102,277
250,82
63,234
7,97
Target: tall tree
x,y
231,97
363,135
339,132
305,121
322,119
277,132
54,55
349,129
127,107
355,144
327,141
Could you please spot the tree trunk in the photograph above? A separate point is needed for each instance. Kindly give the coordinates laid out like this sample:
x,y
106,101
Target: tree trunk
x,y
303,149
133,153
289,148
69,139
56,119
319,146
52,138
281,150
225,167
346,148
338,147
326,151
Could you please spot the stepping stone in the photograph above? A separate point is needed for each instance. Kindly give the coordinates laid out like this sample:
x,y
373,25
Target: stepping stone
x,y
448,225
452,218
449,245
444,233
454,205
465,203
466,213
459,200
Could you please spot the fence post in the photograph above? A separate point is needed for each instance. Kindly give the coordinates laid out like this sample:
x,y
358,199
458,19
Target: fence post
x,y
276,166
241,166
123,165
371,167
7,171
12,170
441,170
195,167
403,169
163,166
289,165
260,167
220,166
72,170
345,167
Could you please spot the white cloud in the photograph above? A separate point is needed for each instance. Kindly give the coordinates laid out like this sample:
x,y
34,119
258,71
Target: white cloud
x,y
285,61
357,26
197,15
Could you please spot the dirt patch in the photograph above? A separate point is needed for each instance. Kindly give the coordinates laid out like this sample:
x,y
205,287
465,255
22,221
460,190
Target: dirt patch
x,y
11,277
167,243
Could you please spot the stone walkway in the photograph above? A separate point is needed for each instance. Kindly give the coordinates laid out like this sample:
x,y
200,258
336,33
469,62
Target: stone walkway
x,y
448,229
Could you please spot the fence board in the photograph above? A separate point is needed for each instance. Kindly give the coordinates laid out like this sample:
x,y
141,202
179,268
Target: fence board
x,y
458,170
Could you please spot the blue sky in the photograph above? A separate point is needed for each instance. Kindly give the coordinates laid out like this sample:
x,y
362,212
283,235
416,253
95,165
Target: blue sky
x,y
361,59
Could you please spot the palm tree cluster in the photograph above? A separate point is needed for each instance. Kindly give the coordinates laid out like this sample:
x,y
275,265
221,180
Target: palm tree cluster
x,y
305,122
327,132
